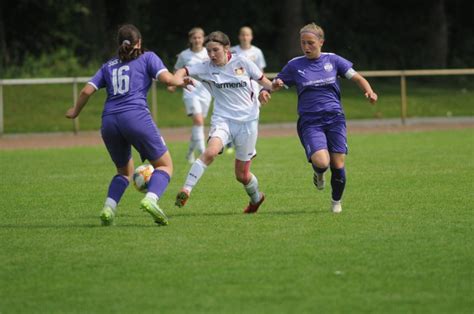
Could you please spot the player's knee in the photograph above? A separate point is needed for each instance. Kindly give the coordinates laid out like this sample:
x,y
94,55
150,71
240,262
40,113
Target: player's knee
x,y
320,163
243,176
337,163
320,160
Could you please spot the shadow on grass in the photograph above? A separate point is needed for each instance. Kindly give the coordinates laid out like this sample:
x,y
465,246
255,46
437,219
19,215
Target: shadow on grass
x,y
260,213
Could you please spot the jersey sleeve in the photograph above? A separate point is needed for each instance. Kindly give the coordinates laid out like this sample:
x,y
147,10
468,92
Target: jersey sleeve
x,y
180,62
155,66
98,80
195,70
252,69
342,65
260,60
286,75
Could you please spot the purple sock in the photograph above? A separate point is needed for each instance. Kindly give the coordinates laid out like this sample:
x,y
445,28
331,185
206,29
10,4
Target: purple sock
x,y
117,187
319,170
338,182
158,182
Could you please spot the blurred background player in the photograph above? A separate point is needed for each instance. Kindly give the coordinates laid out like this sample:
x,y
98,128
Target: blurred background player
x,y
126,120
234,118
196,98
246,49
321,124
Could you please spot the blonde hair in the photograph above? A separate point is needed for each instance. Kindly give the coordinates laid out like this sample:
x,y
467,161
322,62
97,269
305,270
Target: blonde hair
x,y
313,29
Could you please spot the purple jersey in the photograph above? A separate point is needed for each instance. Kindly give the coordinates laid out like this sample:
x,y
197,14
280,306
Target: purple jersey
x,y
127,83
316,82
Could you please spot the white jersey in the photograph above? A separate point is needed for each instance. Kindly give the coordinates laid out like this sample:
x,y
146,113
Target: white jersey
x,y
231,87
186,58
253,53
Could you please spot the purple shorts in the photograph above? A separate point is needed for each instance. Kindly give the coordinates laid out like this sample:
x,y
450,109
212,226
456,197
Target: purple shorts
x,y
121,131
328,133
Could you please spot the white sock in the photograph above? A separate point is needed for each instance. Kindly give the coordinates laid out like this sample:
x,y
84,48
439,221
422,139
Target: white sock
x,y
152,196
252,190
194,174
110,203
192,146
197,137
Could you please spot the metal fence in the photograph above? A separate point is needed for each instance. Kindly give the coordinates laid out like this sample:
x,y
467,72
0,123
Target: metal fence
x,y
403,74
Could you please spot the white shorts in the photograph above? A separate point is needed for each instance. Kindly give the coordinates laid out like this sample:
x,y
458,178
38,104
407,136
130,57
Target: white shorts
x,y
242,134
197,101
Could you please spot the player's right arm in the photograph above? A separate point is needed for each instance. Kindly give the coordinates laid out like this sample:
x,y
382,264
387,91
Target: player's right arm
x,y
84,95
169,79
180,62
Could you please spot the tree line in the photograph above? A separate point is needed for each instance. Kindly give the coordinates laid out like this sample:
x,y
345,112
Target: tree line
x,y
373,34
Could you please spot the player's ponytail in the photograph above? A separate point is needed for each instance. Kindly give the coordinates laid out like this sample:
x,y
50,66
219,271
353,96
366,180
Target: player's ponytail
x,y
127,38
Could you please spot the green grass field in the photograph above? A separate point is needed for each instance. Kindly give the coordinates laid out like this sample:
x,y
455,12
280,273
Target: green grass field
x,y
41,108
403,244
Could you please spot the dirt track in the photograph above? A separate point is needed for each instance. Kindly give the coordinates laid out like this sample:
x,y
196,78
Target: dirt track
x,y
51,140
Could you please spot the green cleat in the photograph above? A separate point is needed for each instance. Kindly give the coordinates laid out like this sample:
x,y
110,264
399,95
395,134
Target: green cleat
x,y
107,216
154,210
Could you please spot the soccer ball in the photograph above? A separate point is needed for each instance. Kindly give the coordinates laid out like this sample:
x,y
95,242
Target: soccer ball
x,y
142,176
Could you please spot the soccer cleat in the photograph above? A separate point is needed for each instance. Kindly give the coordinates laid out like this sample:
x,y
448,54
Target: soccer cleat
x,y
107,216
336,207
151,207
190,157
252,208
181,198
319,181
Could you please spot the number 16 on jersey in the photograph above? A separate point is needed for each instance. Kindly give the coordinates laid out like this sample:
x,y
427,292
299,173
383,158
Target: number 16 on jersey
x,y
120,81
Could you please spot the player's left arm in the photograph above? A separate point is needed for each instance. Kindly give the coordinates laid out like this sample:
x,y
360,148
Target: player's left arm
x,y
365,87
169,79
82,100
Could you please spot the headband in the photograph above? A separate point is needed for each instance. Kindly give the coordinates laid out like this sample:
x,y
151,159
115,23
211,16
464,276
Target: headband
x,y
314,33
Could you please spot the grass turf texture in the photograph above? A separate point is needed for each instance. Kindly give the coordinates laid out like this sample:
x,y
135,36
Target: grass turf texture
x,y
41,108
402,244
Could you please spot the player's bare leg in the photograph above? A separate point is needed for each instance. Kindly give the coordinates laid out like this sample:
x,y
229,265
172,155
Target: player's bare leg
x,y
214,146
250,182
320,162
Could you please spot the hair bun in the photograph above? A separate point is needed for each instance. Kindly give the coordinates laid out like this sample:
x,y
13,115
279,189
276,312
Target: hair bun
x,y
126,42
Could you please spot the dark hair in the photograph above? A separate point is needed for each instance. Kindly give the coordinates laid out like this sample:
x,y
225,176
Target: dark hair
x,y
127,37
218,37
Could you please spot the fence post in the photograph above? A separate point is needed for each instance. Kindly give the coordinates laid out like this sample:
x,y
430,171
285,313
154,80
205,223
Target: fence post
x,y
1,110
403,90
75,121
154,107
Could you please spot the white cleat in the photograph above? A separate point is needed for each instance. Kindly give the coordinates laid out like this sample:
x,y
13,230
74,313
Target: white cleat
x,y
336,207
190,157
319,181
